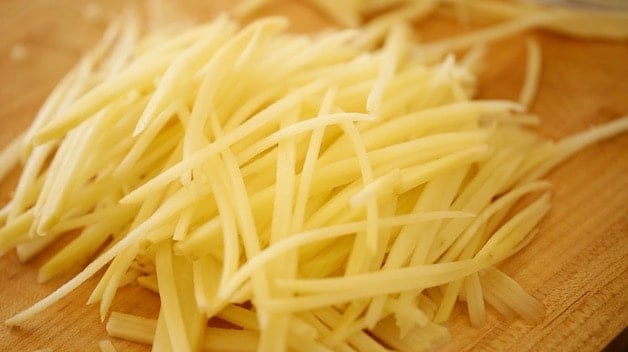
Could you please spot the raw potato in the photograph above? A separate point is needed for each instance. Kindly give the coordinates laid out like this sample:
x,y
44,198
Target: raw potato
x,y
303,203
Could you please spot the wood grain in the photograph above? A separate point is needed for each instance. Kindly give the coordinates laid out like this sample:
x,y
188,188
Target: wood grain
x,y
577,266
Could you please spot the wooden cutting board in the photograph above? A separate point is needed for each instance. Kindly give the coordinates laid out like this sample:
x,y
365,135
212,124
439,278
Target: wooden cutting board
x,y
577,265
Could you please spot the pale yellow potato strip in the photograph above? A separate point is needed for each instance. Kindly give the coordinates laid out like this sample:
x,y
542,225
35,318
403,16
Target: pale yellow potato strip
x,y
475,300
401,280
372,209
304,185
10,155
275,332
106,346
391,55
109,283
27,250
131,327
185,324
574,143
321,234
492,33
31,169
16,232
533,73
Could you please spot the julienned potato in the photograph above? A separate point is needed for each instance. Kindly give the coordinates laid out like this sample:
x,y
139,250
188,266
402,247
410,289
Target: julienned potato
x,y
316,194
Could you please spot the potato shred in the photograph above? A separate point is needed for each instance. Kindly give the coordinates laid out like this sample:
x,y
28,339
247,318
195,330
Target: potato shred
x,y
310,193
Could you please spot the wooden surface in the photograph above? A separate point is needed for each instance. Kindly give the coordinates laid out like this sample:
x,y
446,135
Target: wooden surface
x,y
577,265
